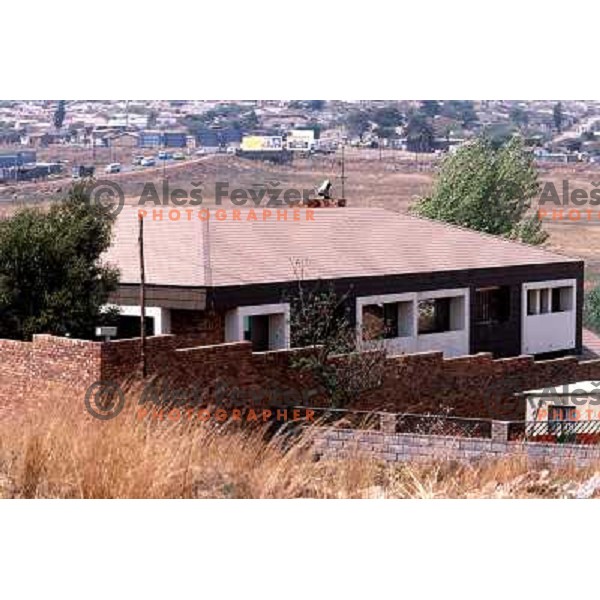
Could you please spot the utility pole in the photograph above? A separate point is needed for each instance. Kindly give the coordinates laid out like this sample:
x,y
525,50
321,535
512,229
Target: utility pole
x,y
343,177
142,299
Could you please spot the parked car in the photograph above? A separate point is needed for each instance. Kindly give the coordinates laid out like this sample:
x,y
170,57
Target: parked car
x,y
179,156
113,168
137,160
148,161
82,171
162,155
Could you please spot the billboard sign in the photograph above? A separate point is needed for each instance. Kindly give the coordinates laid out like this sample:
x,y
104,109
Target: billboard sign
x,y
261,143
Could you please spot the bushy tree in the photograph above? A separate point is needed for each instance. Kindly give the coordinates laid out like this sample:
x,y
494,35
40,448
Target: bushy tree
x,y
319,321
431,108
59,114
387,117
519,116
358,123
51,277
419,133
461,110
487,189
557,115
591,309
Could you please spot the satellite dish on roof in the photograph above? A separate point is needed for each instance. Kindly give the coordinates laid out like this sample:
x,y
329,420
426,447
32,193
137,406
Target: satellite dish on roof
x,y
324,190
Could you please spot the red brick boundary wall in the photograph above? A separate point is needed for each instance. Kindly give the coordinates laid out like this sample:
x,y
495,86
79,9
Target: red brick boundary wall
x,y
470,386
47,367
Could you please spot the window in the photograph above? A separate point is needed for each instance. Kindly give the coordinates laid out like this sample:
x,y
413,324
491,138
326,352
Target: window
x,y
380,321
129,327
434,315
256,330
390,320
562,299
532,302
492,305
546,300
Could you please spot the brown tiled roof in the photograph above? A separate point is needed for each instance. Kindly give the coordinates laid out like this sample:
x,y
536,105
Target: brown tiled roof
x,y
340,242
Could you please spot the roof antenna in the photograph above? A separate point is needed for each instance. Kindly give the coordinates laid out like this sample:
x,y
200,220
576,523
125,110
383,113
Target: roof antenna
x,y
343,177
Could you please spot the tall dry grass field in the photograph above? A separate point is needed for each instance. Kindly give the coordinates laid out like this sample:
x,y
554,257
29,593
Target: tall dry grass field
x,y
59,454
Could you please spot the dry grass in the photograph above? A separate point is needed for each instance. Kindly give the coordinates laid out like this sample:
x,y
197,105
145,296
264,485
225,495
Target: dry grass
x,y
66,455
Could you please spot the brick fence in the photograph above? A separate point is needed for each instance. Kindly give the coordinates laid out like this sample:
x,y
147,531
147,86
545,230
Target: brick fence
x,y
470,386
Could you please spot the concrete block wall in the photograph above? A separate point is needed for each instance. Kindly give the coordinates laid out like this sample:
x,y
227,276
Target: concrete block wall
x,y
331,443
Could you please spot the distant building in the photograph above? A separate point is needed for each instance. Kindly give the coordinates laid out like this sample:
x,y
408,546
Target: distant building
x,y
543,156
17,158
10,137
174,139
150,139
216,139
123,140
162,139
301,140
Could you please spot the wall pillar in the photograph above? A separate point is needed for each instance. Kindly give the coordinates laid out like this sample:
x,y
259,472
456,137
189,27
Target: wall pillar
x,y
388,422
500,431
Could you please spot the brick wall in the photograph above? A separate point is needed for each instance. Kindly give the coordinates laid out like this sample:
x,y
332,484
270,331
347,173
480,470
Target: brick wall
x,y
48,368
15,358
197,328
472,386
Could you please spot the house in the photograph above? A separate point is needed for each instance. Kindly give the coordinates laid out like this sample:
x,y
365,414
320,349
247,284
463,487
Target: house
x,y
226,275
570,412
126,139
578,401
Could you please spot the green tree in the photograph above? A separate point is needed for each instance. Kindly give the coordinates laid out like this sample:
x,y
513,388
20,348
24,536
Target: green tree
x,y
319,321
431,108
59,114
152,119
489,190
557,115
461,110
419,133
591,309
358,123
519,116
249,121
51,277
387,117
